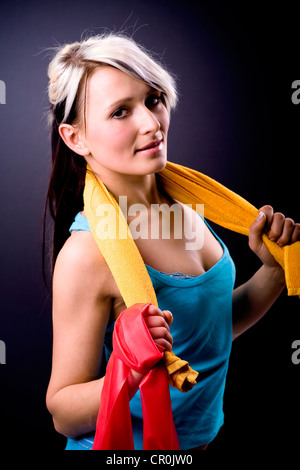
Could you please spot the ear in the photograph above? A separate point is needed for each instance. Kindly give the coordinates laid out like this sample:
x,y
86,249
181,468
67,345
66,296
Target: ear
x,y
73,138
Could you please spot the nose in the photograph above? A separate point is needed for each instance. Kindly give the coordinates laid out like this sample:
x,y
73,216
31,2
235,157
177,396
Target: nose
x,y
148,122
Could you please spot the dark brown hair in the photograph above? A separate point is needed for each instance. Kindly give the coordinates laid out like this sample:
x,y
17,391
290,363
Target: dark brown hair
x,y
64,197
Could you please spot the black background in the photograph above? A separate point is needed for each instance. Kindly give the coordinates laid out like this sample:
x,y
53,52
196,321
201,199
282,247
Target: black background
x,y
235,64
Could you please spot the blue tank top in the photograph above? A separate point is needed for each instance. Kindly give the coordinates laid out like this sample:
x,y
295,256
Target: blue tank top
x,y
202,334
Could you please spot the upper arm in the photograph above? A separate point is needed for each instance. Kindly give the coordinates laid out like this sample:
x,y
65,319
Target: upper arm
x,y
81,310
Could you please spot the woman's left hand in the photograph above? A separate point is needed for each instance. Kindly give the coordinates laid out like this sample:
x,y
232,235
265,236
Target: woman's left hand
x,y
277,227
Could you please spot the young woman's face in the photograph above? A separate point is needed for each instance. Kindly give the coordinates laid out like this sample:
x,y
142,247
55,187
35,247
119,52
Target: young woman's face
x,y
126,124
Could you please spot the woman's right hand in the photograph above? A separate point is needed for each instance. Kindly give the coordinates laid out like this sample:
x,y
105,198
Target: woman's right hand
x,y
158,323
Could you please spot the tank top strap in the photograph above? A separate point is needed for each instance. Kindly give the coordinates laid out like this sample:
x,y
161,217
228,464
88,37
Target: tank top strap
x,y
80,223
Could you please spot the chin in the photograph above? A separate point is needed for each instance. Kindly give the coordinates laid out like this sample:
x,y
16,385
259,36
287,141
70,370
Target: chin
x,y
158,164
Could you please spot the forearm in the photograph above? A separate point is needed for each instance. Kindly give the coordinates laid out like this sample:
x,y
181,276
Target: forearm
x,y
75,408
254,298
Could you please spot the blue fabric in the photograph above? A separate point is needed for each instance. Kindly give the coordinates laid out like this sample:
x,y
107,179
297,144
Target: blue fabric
x,y
202,333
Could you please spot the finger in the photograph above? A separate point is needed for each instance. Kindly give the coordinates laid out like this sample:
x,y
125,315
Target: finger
x,y
256,230
269,212
161,336
168,316
154,310
164,343
156,321
287,232
277,226
160,332
296,234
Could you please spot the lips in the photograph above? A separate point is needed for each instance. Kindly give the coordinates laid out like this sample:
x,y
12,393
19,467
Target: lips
x,y
150,145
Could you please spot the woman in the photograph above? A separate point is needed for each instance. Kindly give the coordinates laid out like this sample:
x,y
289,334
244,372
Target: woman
x,y
110,109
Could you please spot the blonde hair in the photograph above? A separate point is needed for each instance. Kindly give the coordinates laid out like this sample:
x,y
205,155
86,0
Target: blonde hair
x,y
72,64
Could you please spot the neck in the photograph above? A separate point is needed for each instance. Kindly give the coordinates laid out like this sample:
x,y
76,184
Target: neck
x,y
138,189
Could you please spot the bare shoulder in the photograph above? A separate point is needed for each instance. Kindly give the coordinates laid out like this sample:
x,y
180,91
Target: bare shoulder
x,y
79,246
80,266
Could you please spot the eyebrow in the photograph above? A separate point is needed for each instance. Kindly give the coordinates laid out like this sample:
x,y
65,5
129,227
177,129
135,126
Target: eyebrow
x,y
114,105
128,99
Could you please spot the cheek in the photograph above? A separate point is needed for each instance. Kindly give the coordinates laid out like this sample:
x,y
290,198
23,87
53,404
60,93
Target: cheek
x,y
164,120
122,136
111,137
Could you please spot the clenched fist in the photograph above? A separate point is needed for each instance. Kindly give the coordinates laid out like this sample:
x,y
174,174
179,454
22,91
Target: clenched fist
x,y
278,228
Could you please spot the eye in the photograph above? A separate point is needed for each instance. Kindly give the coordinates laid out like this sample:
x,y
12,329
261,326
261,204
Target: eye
x,y
154,100
120,113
